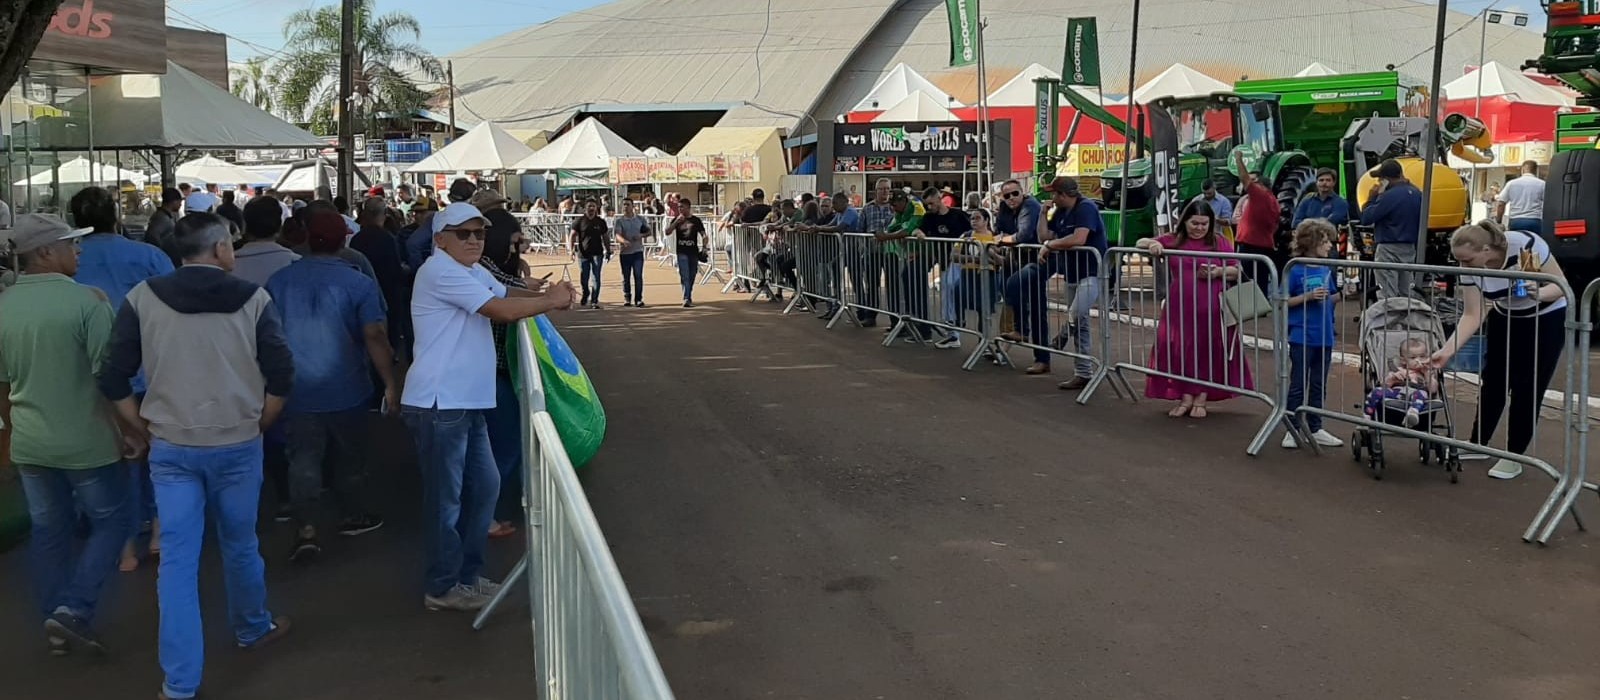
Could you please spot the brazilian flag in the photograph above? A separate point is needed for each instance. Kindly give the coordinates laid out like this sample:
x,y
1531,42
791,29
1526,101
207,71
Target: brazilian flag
x,y
569,396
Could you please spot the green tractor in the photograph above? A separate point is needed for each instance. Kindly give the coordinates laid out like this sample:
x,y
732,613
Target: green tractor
x,y
1210,130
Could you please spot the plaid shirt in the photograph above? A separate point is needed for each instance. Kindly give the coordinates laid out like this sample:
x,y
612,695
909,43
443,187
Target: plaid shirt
x,y
876,217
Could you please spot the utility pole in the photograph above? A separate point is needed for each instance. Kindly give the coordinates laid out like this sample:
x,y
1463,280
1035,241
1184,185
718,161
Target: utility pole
x,y
1430,145
1127,136
347,80
450,81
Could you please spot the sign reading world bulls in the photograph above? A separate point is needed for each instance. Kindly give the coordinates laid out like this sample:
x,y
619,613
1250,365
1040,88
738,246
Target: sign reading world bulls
x,y
112,36
910,139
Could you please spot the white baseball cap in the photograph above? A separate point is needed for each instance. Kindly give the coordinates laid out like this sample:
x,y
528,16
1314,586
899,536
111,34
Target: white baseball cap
x,y
456,214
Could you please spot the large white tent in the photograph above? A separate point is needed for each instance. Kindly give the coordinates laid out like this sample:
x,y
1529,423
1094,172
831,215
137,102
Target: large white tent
x,y
1178,81
916,107
1500,80
588,146
211,170
78,172
898,84
1021,92
486,148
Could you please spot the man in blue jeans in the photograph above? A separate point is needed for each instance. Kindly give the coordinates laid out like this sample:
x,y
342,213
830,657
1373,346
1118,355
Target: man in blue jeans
x,y
450,387
66,447
1073,239
218,373
592,245
631,230
333,320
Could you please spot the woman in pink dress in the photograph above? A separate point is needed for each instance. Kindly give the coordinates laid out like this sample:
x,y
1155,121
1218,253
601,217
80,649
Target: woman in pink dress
x,y
1190,339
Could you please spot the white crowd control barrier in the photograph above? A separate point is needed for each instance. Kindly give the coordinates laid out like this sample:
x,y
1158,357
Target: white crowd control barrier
x,y
587,638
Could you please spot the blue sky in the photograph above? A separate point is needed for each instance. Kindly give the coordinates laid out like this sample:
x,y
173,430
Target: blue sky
x,y
256,26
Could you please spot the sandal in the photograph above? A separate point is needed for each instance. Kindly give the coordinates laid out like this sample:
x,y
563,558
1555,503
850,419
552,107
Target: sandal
x,y
1180,410
1198,412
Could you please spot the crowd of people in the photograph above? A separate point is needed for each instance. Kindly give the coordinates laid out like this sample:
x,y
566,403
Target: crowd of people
x,y
150,387
1223,242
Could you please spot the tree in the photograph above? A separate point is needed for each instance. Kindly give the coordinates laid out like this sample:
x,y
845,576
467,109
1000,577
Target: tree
x,y
386,57
253,82
22,25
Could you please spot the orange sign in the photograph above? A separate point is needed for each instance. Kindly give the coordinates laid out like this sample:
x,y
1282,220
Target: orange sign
x,y
717,168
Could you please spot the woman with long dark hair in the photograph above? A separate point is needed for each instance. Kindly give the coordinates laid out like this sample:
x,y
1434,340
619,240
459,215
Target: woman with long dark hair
x,y
1190,339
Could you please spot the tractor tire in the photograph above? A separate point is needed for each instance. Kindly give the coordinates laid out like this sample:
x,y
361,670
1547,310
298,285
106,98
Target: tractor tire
x,y
1292,187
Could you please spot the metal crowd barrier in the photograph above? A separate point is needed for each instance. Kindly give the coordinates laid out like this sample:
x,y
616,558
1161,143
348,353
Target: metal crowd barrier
x,y
587,638
747,242
1044,311
1179,335
818,268
545,238
1169,319
1431,308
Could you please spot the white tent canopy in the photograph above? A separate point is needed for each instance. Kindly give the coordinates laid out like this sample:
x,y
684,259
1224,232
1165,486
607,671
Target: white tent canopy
x,y
588,146
1500,80
898,84
1315,69
486,148
211,170
916,107
655,152
1178,81
1021,92
78,172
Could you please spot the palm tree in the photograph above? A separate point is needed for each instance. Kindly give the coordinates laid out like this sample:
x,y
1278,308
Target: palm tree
x,y
253,82
386,58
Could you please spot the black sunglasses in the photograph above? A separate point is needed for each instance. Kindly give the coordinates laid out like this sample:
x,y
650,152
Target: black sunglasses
x,y
470,233
1009,195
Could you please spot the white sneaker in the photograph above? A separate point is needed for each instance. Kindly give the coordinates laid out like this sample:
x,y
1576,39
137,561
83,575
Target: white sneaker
x,y
486,587
1289,442
1327,439
1505,469
951,343
460,597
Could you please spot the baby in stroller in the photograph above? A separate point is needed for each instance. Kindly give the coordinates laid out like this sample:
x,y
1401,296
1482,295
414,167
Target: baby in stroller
x,y
1413,381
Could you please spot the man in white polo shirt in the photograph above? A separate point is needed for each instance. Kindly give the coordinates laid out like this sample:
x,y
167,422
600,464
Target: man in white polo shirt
x,y
449,387
1521,203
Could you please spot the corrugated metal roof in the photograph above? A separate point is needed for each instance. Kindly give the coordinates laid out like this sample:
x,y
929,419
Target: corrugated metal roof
x,y
636,52
820,57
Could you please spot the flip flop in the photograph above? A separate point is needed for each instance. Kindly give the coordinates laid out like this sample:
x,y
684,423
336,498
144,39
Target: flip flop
x,y
1180,411
1198,412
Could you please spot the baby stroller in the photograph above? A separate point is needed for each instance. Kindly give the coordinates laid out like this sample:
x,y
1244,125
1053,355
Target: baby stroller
x,y
1384,327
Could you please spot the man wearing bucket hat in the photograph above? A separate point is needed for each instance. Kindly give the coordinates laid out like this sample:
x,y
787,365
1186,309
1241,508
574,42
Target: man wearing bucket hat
x,y
67,450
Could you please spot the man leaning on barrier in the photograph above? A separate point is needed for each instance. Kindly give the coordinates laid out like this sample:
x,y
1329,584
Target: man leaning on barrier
x,y
449,388
838,218
1073,222
902,295
866,259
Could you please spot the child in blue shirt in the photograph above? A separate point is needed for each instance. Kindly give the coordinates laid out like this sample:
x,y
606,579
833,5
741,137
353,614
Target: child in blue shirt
x,y
1313,292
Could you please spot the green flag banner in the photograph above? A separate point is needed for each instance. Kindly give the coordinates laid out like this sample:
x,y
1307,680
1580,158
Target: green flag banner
x,y
963,32
1082,64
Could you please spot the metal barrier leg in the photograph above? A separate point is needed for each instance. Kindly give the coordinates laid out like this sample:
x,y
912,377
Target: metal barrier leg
x,y
518,572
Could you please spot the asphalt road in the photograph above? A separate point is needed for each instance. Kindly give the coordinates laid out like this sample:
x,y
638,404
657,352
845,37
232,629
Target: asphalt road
x,y
800,513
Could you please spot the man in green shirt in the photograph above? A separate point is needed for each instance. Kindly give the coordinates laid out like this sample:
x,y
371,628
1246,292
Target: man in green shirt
x,y
896,268
53,334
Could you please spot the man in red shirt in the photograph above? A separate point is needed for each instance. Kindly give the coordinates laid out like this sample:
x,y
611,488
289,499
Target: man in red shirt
x,y
1257,223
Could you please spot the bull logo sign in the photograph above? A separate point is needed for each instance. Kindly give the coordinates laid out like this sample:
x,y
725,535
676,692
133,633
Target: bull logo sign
x,y
933,139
